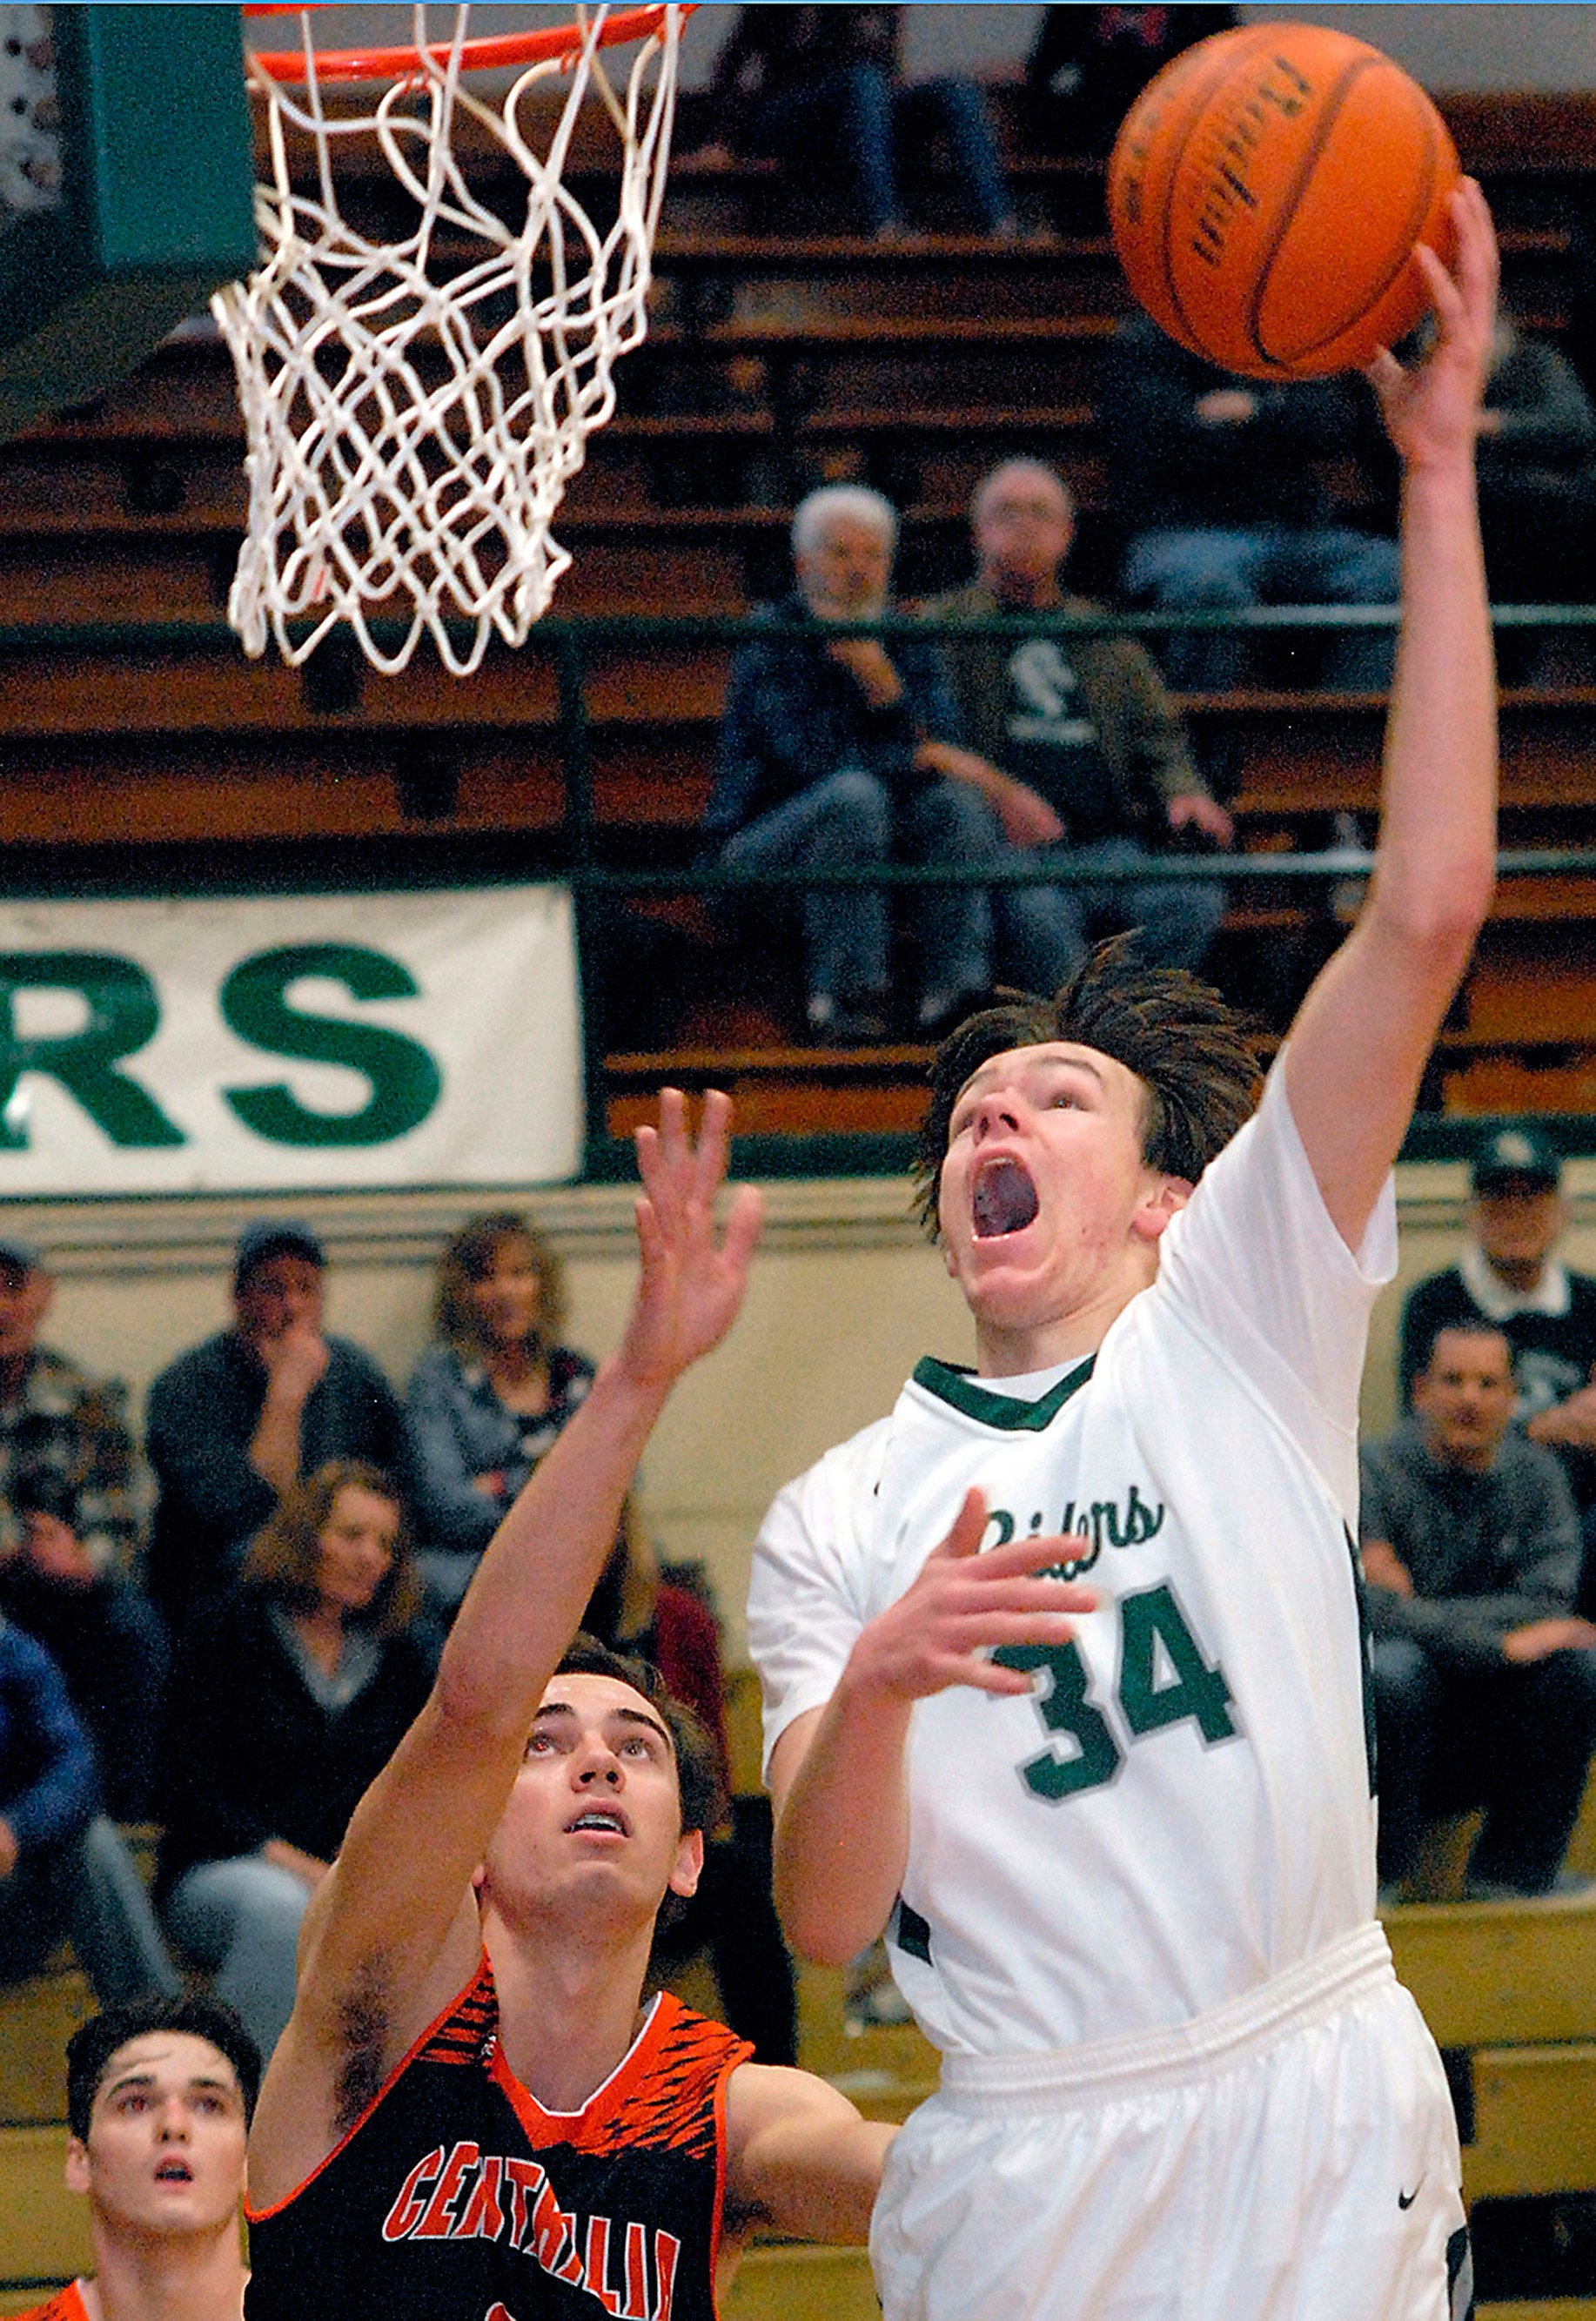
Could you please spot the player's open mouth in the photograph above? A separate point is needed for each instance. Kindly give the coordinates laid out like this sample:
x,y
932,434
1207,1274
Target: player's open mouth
x,y
1003,1199
174,2171
608,1820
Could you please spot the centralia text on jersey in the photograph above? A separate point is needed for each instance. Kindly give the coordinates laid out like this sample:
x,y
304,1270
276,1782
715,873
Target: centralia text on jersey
x,y
474,2195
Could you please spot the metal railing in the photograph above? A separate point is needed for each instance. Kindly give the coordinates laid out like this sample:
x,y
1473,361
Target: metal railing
x,y
570,645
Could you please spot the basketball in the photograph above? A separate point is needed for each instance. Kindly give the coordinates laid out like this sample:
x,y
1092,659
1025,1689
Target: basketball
x,y
1266,191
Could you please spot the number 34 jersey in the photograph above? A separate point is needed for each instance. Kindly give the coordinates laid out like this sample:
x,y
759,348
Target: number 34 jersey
x,y
1181,1807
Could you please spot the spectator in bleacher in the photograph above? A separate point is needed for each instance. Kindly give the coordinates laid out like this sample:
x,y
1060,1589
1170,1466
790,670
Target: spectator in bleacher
x,y
1220,483
235,1422
288,1696
158,2102
1537,465
1080,753
55,1418
1484,1678
812,88
838,753
64,1868
1088,66
102,1632
1508,1277
491,1393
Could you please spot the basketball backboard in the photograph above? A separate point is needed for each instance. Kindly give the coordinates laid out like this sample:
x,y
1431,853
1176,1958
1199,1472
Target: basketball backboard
x,y
126,189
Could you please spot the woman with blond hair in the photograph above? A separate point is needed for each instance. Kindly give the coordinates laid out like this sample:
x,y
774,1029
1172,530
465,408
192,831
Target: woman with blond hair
x,y
491,1393
288,1697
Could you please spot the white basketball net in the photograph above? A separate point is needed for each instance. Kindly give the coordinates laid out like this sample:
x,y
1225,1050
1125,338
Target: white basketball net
x,y
412,424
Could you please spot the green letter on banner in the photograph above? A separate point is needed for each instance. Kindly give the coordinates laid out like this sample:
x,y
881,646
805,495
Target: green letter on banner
x,y
123,1013
406,1082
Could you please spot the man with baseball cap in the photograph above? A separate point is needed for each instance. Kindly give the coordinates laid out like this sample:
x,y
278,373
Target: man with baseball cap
x,y
236,1420
1507,1277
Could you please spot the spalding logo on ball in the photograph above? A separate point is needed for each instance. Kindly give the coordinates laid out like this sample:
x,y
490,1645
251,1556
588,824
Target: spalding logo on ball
x,y
1266,191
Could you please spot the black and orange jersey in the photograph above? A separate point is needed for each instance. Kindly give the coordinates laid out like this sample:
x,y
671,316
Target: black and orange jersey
x,y
456,2196
66,2304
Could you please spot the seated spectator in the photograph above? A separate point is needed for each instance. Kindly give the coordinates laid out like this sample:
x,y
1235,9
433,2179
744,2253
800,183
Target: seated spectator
x,y
1088,66
1484,1680
1216,479
54,1418
836,754
288,1697
160,2096
63,1868
238,1420
104,1634
1507,1277
813,87
1080,752
492,1391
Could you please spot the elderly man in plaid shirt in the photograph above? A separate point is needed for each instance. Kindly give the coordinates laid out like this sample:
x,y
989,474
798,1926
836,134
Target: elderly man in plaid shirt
x,y
74,1504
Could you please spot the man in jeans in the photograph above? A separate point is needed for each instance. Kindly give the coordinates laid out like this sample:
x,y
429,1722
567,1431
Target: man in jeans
x,y
1082,755
837,753
1484,1680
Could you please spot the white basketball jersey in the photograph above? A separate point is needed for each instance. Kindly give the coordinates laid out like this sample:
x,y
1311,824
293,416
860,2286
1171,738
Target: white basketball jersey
x,y
1181,1808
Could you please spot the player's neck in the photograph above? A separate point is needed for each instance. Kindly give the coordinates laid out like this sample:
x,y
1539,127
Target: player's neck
x,y
1016,1350
569,1998
196,2277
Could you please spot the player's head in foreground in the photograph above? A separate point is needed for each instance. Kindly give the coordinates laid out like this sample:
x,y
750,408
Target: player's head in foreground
x,y
605,1823
1064,1134
160,2096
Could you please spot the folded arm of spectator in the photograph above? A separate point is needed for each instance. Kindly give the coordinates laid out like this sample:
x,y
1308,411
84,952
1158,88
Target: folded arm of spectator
x,y
1572,1422
455,1510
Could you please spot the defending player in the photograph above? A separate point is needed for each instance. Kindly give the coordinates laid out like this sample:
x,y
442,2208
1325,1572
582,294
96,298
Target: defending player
x,y
467,2118
158,2097
1128,1855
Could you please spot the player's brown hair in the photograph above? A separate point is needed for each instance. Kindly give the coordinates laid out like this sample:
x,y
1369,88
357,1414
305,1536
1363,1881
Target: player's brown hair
x,y
1195,1054
94,2043
470,1256
283,1555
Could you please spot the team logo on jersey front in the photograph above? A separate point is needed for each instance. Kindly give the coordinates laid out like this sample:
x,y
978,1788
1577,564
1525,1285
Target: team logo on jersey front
x,y
1127,1522
472,2195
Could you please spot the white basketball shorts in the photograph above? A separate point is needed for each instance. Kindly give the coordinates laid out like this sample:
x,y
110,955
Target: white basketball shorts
x,y
1292,2156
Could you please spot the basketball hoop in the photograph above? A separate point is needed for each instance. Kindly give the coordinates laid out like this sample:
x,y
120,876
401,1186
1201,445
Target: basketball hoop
x,y
414,408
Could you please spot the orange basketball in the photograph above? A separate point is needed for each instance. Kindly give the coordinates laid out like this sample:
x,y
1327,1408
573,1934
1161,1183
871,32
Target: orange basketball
x,y
1266,191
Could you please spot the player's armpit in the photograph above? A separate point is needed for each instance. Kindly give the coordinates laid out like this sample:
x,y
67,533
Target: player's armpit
x,y
799,2157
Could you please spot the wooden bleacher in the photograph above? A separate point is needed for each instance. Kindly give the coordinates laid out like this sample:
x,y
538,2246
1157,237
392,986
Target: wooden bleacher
x,y
777,359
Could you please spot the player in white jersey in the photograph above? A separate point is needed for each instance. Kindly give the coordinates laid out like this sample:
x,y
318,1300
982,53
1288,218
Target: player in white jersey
x,y
1108,1777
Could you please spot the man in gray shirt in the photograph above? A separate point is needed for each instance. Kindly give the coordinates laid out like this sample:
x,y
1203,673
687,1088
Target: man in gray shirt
x,y
1484,1680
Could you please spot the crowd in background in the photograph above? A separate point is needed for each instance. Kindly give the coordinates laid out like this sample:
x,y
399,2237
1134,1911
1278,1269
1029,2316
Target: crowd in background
x,y
228,1632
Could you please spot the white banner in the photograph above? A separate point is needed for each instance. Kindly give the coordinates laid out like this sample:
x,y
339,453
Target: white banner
x,y
312,1040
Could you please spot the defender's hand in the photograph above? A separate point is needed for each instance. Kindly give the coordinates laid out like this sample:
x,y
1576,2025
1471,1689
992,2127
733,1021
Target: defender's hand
x,y
692,1279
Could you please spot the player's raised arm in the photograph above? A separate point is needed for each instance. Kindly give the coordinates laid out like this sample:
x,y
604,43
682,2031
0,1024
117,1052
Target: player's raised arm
x,y
1365,1029
392,1932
